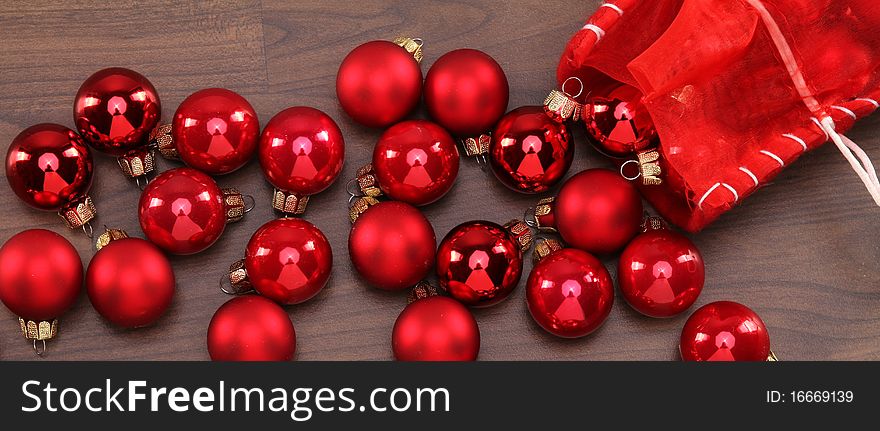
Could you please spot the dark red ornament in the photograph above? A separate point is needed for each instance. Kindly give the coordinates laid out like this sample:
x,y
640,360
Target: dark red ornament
x,y
215,130
115,109
661,272
436,328
379,82
466,92
41,276
479,263
619,122
392,245
183,211
251,328
416,162
130,282
725,331
530,151
49,167
301,152
288,260
569,293
598,211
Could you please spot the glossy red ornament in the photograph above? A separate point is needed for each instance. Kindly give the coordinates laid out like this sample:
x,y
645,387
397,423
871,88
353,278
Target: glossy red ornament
x,y
251,328
436,328
466,92
598,211
416,162
530,151
48,166
41,275
724,331
569,293
130,282
215,130
392,245
619,122
301,151
479,263
288,260
661,273
378,83
182,211
115,109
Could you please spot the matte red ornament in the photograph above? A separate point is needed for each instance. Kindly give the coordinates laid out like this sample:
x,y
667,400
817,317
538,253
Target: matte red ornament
x,y
530,151
725,331
215,130
48,166
466,92
182,211
130,282
569,293
416,162
479,263
251,328
661,273
436,328
378,83
619,122
288,260
598,211
115,109
301,153
392,245
41,276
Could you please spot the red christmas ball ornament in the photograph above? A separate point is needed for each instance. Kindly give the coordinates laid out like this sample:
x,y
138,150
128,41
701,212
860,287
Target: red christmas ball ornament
x,y
129,280
436,328
40,278
466,92
725,331
379,82
251,328
288,260
391,244
415,162
301,153
619,122
50,168
479,262
530,151
569,293
115,109
183,211
598,211
215,130
661,272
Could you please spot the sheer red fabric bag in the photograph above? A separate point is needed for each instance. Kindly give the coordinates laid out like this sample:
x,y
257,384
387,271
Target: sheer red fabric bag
x,y
737,89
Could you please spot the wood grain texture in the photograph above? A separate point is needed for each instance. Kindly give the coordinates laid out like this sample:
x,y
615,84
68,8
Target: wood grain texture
x,y
804,252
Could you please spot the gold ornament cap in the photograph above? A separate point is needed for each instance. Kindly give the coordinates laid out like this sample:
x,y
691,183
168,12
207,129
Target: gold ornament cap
x,y
161,139
421,290
649,170
42,331
237,276
78,213
521,233
109,236
289,203
545,247
367,181
234,204
653,223
138,162
359,206
477,145
562,105
545,218
412,45
772,357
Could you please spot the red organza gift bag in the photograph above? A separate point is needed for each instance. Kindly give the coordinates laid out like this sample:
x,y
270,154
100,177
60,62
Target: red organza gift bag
x,y
737,89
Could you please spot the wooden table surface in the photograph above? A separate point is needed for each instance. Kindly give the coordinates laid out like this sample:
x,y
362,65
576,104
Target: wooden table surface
x,y
803,253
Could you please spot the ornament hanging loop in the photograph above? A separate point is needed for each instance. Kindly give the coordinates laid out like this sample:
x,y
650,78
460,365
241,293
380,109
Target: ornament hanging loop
x,y
623,170
580,89
88,229
249,203
529,218
37,350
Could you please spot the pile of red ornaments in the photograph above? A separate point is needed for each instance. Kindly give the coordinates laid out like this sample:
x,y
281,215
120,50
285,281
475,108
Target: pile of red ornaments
x,y
392,245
